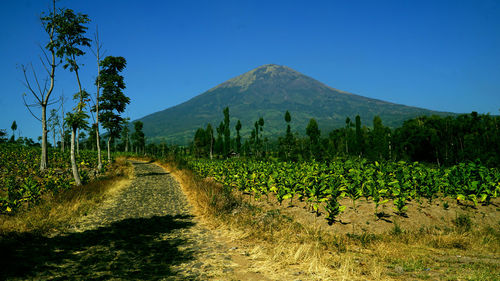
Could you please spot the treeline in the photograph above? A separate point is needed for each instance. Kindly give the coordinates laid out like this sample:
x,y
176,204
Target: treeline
x,y
432,139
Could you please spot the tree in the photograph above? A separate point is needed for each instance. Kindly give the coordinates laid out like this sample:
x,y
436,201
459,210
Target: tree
x,y
219,142
62,131
70,38
256,136
314,133
82,135
288,118
3,136
91,141
97,53
261,129
261,125
347,131
76,119
42,93
54,124
125,134
14,128
238,137
210,134
226,132
113,101
138,137
288,141
359,137
202,141
380,145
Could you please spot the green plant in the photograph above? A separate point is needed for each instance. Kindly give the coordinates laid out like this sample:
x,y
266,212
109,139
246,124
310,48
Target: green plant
x,y
463,222
446,205
396,229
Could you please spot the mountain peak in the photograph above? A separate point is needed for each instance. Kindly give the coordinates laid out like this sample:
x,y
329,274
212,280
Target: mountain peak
x,y
262,72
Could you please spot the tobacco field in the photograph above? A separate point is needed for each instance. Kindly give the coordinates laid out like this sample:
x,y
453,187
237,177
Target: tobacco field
x,y
22,182
322,185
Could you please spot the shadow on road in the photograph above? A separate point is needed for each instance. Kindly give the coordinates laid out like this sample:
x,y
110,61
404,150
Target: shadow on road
x,y
141,163
151,174
129,249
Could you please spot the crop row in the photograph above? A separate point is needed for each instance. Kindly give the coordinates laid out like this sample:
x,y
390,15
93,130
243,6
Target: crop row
x,y
317,182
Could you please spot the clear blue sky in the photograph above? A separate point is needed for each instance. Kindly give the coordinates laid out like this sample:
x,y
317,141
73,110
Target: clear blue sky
x,y
440,55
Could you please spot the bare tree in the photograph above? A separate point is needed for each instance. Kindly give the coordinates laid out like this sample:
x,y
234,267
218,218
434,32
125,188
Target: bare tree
x,y
97,54
40,91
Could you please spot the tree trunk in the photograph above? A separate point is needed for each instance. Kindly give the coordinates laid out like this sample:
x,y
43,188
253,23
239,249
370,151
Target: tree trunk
x,y
63,133
109,151
78,142
54,137
43,158
126,144
211,146
74,168
99,161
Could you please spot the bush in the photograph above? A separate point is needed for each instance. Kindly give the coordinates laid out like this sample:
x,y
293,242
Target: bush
x,y
463,223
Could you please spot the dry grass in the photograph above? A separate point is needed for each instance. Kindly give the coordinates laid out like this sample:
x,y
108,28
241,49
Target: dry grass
x,y
284,249
56,211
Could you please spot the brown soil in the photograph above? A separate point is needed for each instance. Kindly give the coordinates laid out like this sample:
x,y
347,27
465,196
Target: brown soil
x,y
360,219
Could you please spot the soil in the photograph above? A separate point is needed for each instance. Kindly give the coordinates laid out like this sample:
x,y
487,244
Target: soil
x,y
145,231
439,214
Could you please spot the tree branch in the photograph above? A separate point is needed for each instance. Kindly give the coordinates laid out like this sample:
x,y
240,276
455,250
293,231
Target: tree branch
x,y
28,85
42,93
28,107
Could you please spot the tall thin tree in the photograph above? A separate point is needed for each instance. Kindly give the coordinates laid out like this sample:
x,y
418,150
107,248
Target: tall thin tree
x,y
68,43
238,136
42,93
226,132
14,128
113,101
97,54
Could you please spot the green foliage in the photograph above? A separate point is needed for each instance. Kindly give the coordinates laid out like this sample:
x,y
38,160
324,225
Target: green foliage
x,y
313,132
323,184
238,136
463,222
138,136
70,31
226,131
112,101
14,128
21,181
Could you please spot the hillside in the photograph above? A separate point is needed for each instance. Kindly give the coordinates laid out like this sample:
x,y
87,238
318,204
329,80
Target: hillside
x,y
268,91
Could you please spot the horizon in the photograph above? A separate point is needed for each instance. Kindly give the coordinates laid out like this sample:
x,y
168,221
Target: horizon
x,y
438,56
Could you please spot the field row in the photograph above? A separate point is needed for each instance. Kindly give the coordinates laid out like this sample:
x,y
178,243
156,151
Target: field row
x,y
326,183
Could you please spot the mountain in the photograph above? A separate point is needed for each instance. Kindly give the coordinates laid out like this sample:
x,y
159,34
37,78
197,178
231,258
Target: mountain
x,y
268,91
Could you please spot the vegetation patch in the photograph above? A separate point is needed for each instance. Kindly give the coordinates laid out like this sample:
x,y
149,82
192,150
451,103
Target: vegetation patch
x,y
56,210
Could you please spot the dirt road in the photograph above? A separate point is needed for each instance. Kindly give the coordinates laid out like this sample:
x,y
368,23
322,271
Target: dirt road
x,y
144,232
